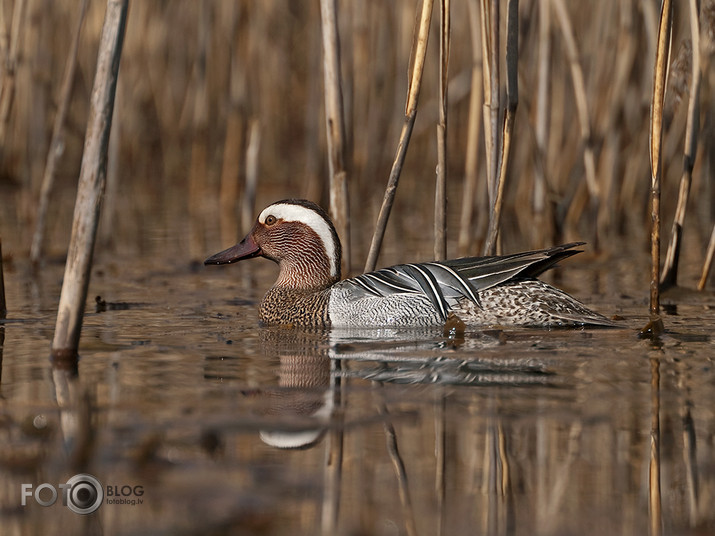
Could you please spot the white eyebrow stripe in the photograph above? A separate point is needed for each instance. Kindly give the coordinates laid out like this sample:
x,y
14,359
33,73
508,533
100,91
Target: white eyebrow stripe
x,y
299,213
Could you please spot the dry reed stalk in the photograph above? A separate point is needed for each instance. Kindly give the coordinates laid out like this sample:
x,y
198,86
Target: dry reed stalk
x,y
167,96
110,202
231,176
91,185
314,150
539,200
9,50
8,66
471,161
4,39
707,265
233,145
490,72
660,75
198,166
579,87
335,127
413,92
669,277
3,303
440,196
512,93
609,114
57,143
253,151
370,104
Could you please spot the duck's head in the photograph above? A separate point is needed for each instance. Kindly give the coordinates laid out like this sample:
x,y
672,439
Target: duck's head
x,y
299,236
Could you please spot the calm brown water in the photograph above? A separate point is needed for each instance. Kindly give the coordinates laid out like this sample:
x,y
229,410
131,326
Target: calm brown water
x,y
180,399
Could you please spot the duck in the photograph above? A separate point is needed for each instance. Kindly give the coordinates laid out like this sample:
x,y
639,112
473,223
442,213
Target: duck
x,y
502,290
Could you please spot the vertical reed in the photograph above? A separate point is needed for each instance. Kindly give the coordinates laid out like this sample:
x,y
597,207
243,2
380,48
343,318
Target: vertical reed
x,y
233,147
656,140
472,149
253,150
57,143
199,105
440,197
512,94
490,73
3,303
91,185
670,267
9,50
419,51
707,265
541,129
579,87
335,127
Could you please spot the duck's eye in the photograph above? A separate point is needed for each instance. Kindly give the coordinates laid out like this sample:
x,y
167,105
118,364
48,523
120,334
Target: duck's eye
x,y
270,220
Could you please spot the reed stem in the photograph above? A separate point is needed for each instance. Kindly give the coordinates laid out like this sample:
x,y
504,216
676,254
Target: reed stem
x,y
9,48
234,140
707,265
413,93
473,130
512,93
539,196
335,127
440,197
656,139
91,184
253,150
579,87
490,72
670,268
3,303
57,142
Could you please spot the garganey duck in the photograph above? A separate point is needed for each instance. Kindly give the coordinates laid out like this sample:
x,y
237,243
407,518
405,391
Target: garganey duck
x,y
501,290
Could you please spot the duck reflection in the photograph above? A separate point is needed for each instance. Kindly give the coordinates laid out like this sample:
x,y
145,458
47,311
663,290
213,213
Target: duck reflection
x,y
304,393
300,407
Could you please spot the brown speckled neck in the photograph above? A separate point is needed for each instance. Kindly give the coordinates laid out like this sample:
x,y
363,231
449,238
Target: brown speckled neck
x,y
290,306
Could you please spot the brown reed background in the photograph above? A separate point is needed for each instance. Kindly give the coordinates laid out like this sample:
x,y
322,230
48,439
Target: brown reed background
x,y
214,95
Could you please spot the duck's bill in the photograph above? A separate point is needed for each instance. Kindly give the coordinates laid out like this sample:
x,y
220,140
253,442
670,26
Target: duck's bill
x,y
245,249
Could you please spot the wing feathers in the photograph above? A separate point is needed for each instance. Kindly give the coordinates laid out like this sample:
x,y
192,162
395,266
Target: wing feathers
x,y
443,283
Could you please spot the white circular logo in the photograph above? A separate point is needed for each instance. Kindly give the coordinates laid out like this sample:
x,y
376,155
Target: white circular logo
x,y
85,494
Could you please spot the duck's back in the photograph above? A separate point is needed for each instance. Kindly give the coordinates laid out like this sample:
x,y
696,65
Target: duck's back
x,y
479,290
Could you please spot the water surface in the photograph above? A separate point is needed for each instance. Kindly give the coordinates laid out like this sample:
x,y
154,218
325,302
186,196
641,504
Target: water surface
x,y
197,421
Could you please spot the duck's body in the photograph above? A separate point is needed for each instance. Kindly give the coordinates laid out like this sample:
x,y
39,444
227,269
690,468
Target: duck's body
x,y
300,237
